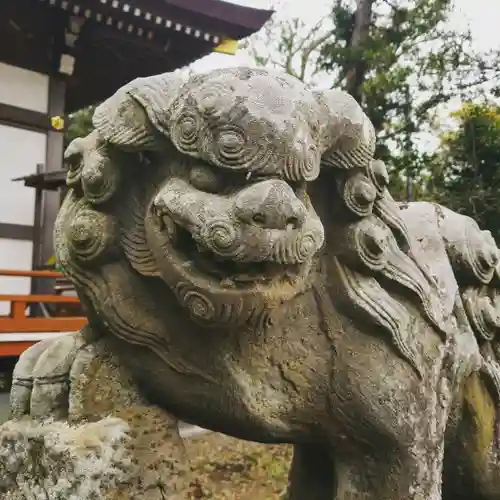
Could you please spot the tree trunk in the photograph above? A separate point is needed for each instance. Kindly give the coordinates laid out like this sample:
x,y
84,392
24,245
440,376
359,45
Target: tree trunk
x,y
362,21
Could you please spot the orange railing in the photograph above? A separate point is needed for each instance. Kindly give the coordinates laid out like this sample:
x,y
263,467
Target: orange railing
x,y
19,329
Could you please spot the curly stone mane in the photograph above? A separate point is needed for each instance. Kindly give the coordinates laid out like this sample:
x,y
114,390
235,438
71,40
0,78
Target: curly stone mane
x,y
159,142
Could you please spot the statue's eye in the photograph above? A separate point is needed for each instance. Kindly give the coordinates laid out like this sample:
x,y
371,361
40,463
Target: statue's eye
x,y
204,179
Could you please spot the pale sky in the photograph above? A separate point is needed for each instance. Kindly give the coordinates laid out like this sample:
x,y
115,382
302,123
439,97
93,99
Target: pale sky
x,y
482,16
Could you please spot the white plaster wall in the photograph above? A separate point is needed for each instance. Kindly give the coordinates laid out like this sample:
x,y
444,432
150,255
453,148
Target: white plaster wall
x,y
21,151
23,88
14,254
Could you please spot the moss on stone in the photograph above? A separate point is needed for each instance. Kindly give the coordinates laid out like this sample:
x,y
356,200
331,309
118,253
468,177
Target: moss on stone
x,y
480,411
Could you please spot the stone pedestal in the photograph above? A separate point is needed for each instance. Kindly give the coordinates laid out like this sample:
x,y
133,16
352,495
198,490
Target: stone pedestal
x,y
113,446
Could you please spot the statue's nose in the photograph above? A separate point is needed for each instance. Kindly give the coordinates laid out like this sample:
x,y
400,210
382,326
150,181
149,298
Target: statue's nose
x,y
270,204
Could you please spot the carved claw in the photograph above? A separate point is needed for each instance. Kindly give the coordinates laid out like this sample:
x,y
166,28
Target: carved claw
x,y
41,379
133,449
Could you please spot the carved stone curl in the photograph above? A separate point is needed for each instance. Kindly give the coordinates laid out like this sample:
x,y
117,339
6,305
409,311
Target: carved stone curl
x,y
473,253
100,178
358,193
185,129
364,245
73,157
205,310
90,235
377,172
483,311
223,238
388,211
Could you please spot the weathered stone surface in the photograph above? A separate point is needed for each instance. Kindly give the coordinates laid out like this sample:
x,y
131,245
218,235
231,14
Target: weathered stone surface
x,y
108,443
236,246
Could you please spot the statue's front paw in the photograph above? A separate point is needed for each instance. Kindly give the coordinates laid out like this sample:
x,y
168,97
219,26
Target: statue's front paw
x,y
41,379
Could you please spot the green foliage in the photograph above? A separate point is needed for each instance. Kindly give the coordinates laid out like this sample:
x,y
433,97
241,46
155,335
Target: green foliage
x,y
408,63
80,124
467,173
412,63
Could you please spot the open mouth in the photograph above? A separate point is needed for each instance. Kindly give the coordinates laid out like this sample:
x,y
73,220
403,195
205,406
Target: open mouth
x,y
227,271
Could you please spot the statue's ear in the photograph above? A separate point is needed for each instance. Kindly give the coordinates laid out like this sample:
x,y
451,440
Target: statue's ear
x,y
348,135
136,113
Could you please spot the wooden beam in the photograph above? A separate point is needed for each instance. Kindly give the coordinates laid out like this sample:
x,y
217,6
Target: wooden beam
x,y
16,231
24,118
41,273
47,203
54,163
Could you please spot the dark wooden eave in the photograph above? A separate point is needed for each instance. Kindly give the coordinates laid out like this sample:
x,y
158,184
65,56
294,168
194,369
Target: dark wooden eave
x,y
215,16
119,40
107,58
212,20
212,17
48,181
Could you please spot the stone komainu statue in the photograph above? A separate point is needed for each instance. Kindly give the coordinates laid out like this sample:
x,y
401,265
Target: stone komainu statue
x,y
245,268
